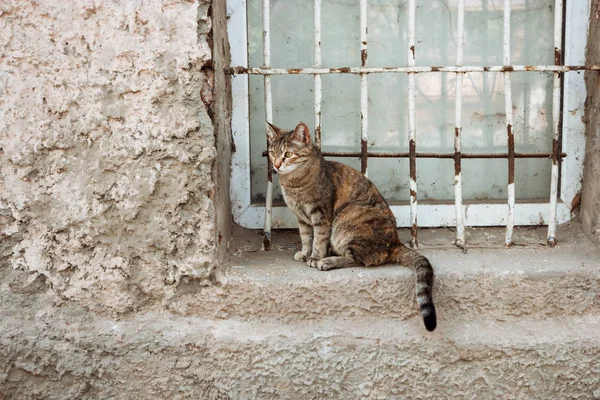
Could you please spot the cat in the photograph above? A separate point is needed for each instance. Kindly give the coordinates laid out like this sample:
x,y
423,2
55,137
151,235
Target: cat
x,y
344,220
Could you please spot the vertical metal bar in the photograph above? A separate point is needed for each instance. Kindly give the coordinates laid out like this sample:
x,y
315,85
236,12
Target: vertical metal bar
x,y
510,221
269,118
460,226
558,21
364,96
317,79
412,146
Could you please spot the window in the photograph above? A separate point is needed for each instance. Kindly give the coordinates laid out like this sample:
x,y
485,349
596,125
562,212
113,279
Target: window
x,y
461,79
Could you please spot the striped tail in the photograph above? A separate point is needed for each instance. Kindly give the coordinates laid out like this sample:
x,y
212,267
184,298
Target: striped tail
x,y
424,286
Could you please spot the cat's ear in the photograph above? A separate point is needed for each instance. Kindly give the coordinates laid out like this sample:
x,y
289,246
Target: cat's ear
x,y
272,131
301,133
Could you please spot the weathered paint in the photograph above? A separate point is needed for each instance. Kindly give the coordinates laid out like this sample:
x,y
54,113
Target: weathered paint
x,y
240,70
556,120
457,164
573,121
317,77
508,107
363,156
506,68
364,89
511,154
269,116
458,202
411,123
435,155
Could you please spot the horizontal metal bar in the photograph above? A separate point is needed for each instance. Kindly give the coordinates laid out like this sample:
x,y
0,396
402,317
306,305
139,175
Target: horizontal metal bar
x,y
435,155
377,70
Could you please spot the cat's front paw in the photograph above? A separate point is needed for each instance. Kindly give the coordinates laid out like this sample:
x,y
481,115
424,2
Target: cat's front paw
x,y
312,262
300,256
326,264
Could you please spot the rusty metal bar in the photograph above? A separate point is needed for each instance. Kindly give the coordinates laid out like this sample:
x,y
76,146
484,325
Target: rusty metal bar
x,y
438,155
364,92
358,154
412,145
556,100
460,226
510,219
317,77
269,118
409,70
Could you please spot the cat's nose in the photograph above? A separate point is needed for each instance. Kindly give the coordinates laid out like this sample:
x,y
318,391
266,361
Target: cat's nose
x,y
277,166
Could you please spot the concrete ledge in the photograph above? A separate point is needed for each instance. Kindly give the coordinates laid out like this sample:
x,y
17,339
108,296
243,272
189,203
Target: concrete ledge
x,y
531,279
516,323
183,357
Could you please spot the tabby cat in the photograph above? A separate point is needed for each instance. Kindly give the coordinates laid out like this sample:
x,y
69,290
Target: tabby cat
x,y
344,220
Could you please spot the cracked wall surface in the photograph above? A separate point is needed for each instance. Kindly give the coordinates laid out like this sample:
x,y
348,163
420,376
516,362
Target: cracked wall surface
x,y
108,148
590,200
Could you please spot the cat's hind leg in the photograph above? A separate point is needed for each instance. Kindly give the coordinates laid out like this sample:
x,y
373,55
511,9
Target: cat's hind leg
x,y
329,263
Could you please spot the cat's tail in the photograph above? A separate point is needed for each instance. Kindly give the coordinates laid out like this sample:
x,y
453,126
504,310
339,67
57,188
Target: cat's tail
x,y
424,282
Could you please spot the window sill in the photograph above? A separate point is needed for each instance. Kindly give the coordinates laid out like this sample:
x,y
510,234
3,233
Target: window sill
x,y
529,278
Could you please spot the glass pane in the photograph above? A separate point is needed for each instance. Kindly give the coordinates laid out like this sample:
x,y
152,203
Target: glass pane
x,y
484,123
388,119
532,178
340,33
532,27
340,113
292,102
393,184
485,180
291,34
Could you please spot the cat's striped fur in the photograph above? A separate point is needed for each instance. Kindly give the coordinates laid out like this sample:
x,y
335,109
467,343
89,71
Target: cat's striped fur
x,y
344,220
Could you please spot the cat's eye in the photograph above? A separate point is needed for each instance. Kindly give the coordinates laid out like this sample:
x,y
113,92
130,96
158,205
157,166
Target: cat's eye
x,y
288,154
272,153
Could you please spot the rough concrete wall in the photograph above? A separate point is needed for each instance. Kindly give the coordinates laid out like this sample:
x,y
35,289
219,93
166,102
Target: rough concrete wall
x,y
107,148
590,200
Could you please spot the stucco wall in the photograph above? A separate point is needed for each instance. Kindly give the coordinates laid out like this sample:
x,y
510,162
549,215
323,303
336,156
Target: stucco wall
x,y
108,149
590,200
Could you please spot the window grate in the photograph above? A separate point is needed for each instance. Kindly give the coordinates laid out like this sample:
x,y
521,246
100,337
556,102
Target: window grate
x,y
558,70
460,225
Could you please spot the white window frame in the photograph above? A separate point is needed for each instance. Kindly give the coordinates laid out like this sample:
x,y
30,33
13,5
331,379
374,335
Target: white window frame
x,y
251,215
